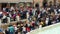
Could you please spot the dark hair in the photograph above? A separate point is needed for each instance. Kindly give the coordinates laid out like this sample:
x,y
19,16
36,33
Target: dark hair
x,y
10,25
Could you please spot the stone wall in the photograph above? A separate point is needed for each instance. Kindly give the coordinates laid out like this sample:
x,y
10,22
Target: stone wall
x,y
33,1
41,1
38,1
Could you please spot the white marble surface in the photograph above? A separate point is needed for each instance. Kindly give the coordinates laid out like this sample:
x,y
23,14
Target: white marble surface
x,y
55,30
52,29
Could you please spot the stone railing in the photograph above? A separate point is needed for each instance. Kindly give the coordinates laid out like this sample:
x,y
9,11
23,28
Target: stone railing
x,y
4,26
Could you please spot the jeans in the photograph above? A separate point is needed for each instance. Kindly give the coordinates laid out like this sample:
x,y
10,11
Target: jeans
x,y
11,32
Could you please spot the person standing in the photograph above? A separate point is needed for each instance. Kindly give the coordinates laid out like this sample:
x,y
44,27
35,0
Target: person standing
x,y
24,30
11,29
1,15
16,29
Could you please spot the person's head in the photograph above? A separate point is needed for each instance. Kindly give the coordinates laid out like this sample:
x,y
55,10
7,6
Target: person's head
x,y
21,24
10,25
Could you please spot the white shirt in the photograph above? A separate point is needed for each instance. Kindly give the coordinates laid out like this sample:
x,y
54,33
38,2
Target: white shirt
x,y
10,15
55,11
43,11
48,8
47,19
40,26
4,9
28,25
16,28
39,16
17,17
4,17
27,15
59,10
12,8
24,29
34,11
0,12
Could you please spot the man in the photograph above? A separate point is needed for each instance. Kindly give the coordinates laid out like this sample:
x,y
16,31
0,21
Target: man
x,y
24,30
1,14
44,3
11,29
4,18
47,20
1,31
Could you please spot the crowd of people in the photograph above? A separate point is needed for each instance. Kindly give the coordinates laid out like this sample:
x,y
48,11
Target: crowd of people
x,y
36,18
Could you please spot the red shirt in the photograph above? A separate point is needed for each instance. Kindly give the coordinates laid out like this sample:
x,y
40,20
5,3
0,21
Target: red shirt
x,y
28,29
18,14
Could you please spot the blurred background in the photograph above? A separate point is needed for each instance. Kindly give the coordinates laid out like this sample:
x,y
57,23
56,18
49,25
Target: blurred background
x,y
22,16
